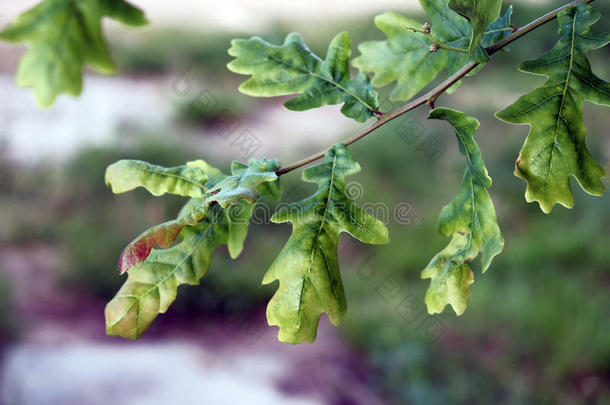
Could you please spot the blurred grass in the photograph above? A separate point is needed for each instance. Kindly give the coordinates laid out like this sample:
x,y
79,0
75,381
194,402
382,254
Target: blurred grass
x,y
8,325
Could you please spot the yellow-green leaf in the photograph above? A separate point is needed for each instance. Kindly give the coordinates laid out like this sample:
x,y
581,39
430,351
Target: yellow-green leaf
x,y
152,285
127,175
308,266
470,220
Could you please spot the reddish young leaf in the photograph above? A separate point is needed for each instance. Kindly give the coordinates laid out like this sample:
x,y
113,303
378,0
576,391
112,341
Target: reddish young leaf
x,y
139,249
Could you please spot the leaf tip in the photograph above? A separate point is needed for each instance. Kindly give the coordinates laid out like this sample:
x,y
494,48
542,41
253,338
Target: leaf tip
x,y
119,322
235,250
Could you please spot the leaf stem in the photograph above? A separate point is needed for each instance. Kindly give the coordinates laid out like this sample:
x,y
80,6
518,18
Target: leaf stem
x,y
431,97
437,43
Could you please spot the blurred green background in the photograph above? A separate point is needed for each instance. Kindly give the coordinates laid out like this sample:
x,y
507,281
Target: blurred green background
x,y
536,329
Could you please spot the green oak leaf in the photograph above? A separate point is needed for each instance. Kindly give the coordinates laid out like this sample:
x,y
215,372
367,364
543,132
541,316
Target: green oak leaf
x,y
480,13
308,266
470,220
187,181
404,57
238,218
63,37
293,69
237,194
152,285
555,148
246,182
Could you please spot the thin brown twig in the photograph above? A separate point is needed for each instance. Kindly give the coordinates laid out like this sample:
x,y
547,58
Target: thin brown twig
x,y
430,97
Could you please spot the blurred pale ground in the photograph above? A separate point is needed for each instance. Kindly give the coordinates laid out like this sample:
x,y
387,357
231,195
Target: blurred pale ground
x,y
536,328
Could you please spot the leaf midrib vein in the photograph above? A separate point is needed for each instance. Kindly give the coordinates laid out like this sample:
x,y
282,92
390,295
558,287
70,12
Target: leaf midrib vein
x,y
138,297
167,174
561,106
315,241
317,76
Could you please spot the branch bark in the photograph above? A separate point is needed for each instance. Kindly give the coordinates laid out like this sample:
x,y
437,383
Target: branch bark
x,y
430,97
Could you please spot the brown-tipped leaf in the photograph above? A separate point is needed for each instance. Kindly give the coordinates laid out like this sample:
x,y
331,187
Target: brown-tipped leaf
x,y
139,249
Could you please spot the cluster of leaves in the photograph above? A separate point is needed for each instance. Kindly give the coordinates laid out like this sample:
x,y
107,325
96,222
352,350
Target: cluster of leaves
x,y
458,31
220,206
218,214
